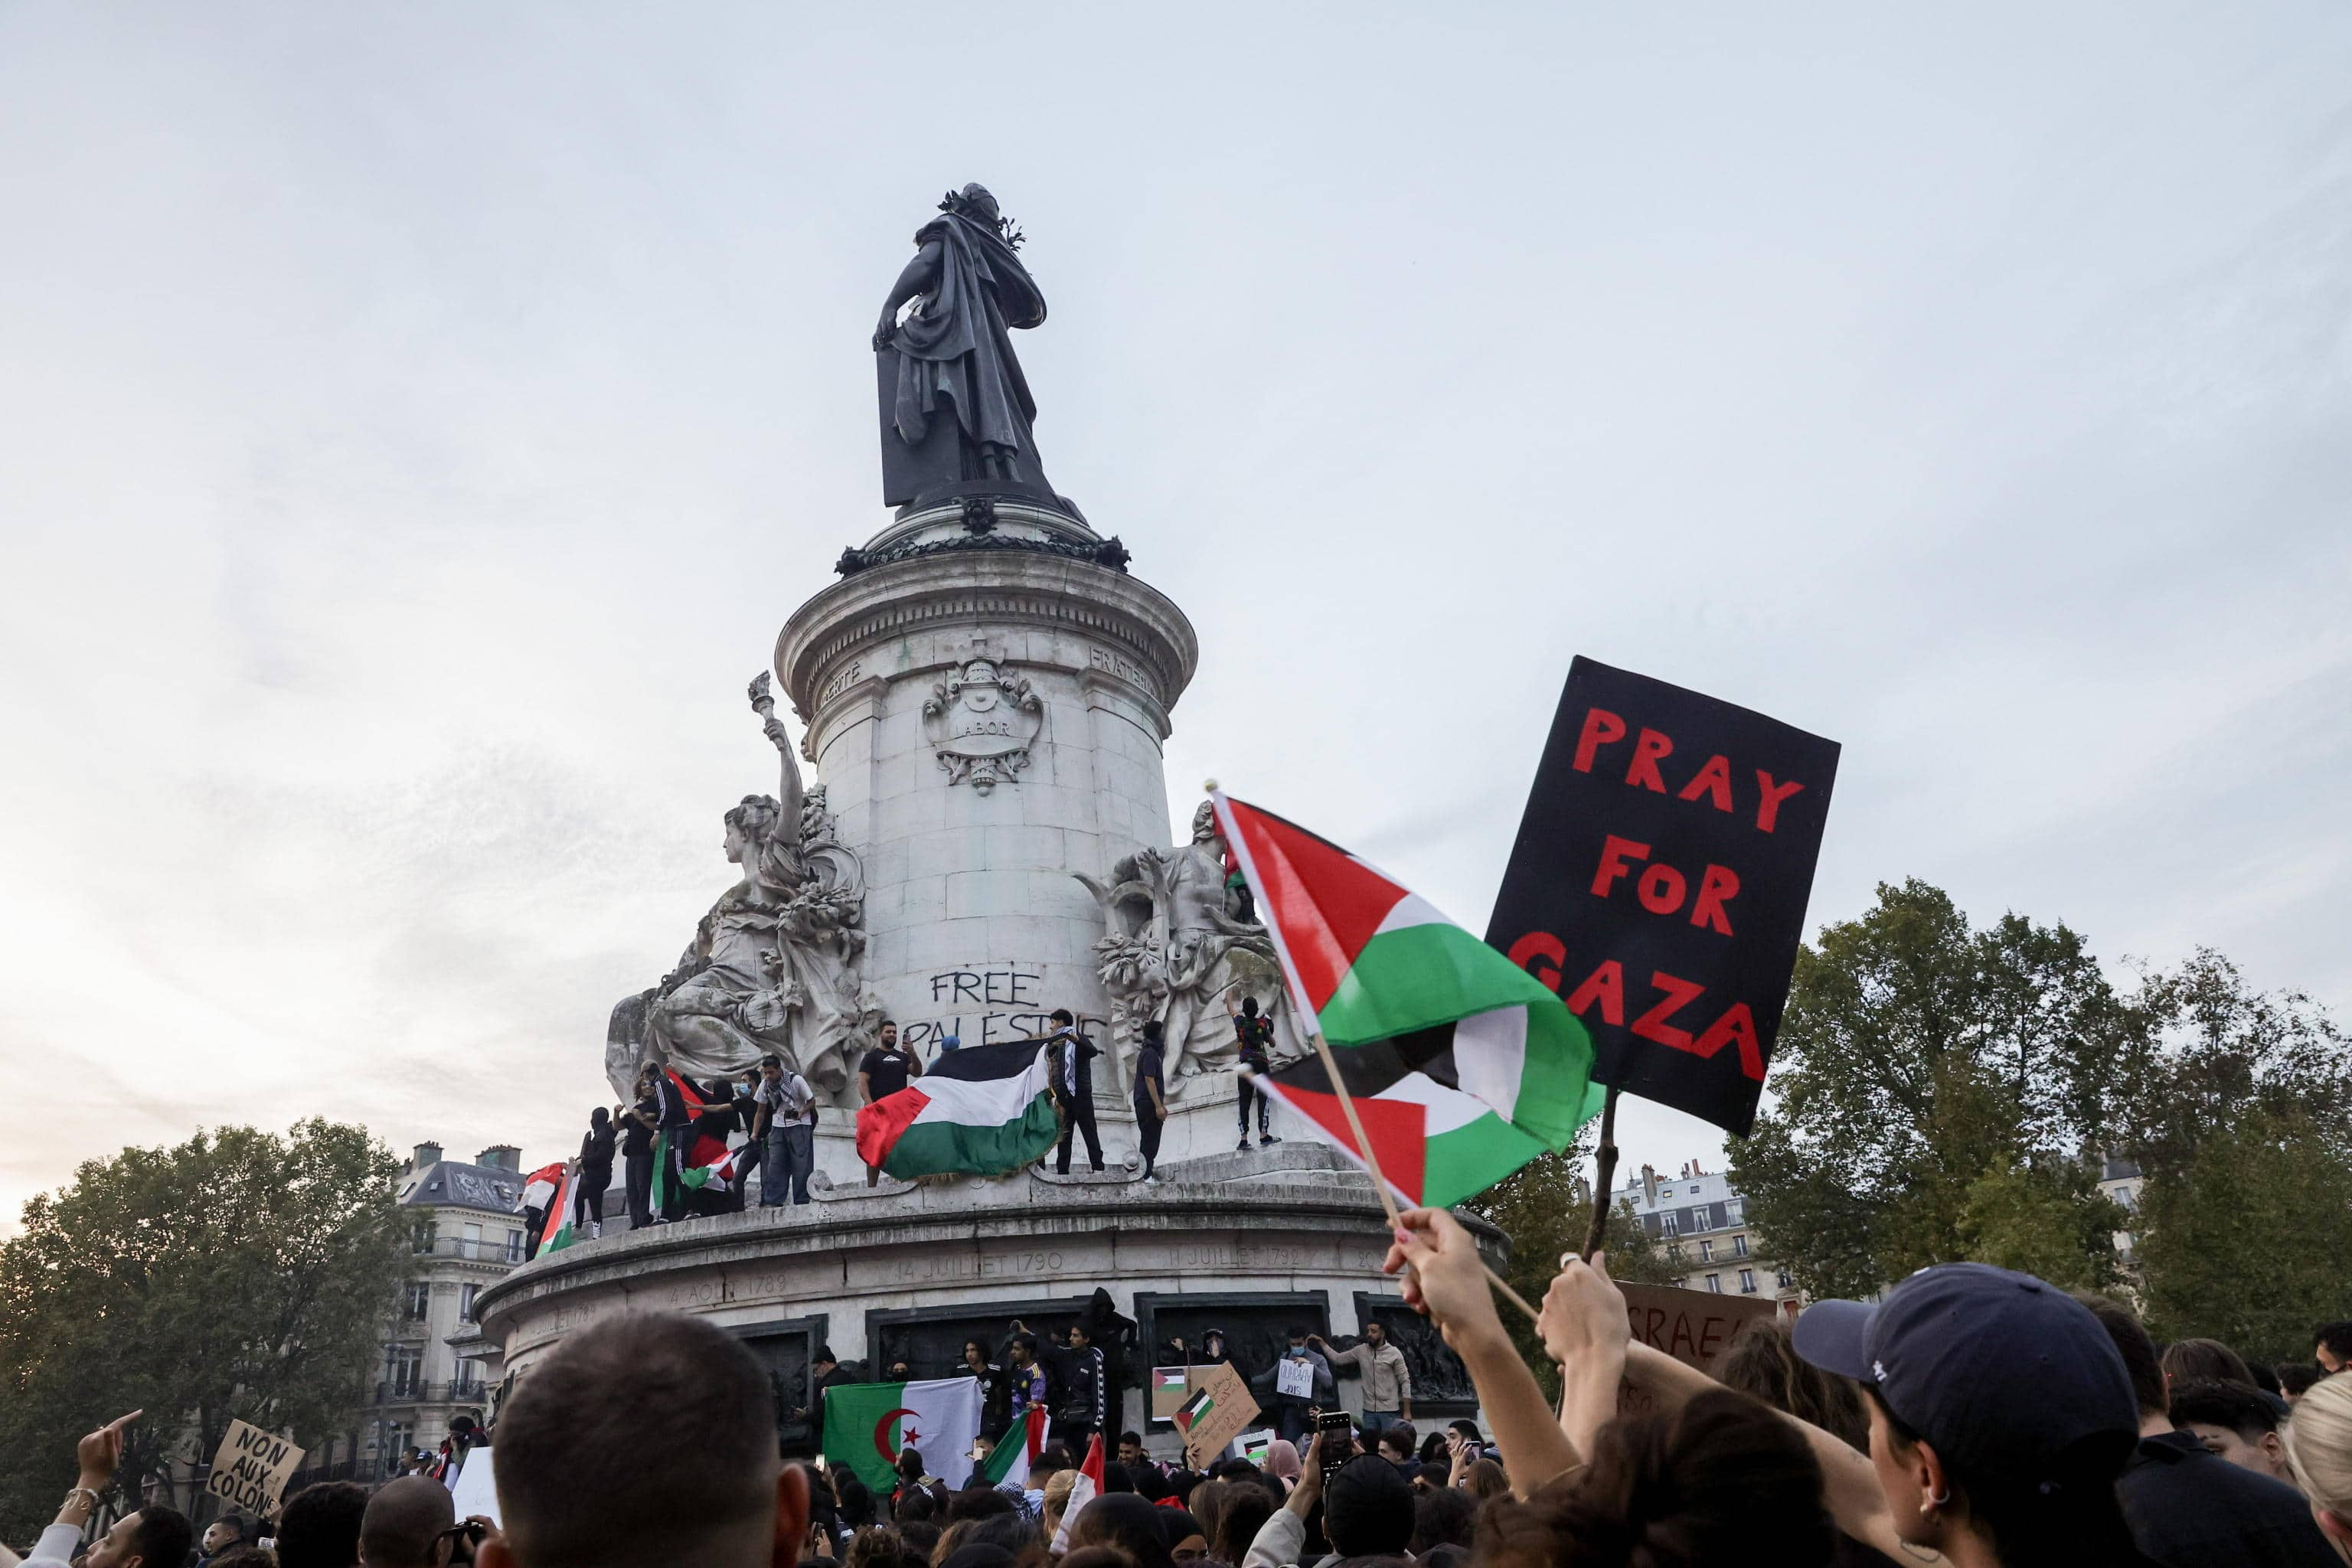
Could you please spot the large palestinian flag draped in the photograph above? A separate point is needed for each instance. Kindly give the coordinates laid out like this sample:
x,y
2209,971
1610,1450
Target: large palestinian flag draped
x,y
556,1233
982,1111
869,1425
1373,962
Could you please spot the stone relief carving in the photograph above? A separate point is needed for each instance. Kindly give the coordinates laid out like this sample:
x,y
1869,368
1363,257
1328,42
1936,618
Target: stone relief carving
x,y
981,722
774,965
1178,944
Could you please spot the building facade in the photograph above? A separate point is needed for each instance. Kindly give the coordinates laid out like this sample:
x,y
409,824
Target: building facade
x,y
466,1226
1703,1224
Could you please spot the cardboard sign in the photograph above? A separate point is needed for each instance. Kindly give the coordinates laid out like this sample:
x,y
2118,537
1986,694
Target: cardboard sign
x,y
1295,1376
476,1490
1695,1327
251,1468
1659,883
1255,1445
1230,1411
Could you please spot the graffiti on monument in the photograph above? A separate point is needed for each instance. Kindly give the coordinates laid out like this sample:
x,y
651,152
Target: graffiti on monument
x,y
987,1004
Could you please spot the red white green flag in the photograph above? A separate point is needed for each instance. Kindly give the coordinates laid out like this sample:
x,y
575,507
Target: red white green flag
x,y
1368,961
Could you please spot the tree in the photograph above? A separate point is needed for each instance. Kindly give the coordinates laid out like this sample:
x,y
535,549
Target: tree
x,y
1935,1086
1545,1208
2241,1132
238,1276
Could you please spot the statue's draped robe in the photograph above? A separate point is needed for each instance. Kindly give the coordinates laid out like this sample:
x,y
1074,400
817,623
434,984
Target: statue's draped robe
x,y
949,377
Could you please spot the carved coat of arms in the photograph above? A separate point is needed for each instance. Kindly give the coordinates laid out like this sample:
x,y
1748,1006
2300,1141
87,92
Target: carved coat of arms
x,y
981,722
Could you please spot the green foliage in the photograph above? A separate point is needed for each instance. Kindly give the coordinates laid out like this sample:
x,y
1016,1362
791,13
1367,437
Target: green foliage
x,y
240,1275
1546,1209
1917,1059
1943,1092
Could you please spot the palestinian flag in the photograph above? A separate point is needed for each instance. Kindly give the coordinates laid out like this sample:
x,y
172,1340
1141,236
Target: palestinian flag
x,y
1370,961
1435,1145
982,1111
711,1161
1010,1459
1087,1488
869,1425
539,1189
697,1144
557,1233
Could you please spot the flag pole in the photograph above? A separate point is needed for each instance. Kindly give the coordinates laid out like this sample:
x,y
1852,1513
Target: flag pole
x,y
1604,1175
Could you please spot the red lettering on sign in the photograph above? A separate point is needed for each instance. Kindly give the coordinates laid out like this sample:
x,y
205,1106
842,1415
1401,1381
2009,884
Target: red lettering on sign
x,y
1605,986
1601,728
1660,890
1653,1025
1737,1027
1614,854
1714,781
1682,1336
1643,769
1716,885
1540,944
1767,810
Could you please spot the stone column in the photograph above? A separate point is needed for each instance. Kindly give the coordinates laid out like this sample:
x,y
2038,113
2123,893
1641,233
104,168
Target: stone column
x,y
985,695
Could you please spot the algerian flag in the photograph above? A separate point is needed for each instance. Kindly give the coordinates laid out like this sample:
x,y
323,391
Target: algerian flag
x,y
869,1425
1010,1459
1370,961
558,1233
1083,1490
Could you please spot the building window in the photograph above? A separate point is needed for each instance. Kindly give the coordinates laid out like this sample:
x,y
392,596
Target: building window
x,y
1693,1189
1706,1252
2123,1196
1748,1281
1668,1223
419,1302
403,1371
514,1246
466,1302
1736,1209
1715,1283
472,1245
1739,1246
420,1239
1784,1277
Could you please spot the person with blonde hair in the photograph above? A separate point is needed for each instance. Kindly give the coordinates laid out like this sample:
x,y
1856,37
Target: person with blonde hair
x,y
2319,1451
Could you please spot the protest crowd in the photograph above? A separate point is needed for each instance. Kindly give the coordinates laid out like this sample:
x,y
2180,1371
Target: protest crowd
x,y
1975,1416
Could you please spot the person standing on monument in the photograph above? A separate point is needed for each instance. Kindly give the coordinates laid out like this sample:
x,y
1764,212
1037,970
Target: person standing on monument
x,y
1070,1074
787,1134
882,1072
637,1124
1151,1095
595,1174
1253,1034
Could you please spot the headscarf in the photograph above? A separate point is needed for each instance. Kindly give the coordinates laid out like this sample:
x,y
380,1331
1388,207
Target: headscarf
x,y
1282,1461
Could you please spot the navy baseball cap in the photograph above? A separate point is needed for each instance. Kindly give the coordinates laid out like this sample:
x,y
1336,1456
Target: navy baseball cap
x,y
2004,1374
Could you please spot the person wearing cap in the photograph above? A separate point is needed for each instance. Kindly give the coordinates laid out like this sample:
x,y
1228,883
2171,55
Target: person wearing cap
x,y
2001,1416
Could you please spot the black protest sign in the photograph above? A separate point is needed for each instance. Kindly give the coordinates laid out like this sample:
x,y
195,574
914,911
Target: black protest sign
x,y
1659,883
251,1469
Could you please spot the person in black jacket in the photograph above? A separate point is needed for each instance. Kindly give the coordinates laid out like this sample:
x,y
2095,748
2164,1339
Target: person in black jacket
x,y
595,1174
1070,1074
995,1390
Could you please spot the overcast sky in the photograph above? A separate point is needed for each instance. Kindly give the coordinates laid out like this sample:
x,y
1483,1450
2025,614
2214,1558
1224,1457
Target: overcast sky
x,y
418,420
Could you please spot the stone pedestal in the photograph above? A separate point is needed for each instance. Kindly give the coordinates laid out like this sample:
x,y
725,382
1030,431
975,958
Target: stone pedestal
x,y
985,696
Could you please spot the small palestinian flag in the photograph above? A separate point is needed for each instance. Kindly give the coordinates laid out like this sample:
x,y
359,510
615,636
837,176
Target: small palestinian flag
x,y
1009,1461
1200,1403
557,1233
716,1163
1370,961
982,1111
1435,1145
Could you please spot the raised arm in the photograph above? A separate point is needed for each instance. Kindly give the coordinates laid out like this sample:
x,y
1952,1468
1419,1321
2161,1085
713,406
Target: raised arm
x,y
789,793
918,278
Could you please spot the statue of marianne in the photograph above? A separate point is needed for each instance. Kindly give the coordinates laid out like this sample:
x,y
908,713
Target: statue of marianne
x,y
955,406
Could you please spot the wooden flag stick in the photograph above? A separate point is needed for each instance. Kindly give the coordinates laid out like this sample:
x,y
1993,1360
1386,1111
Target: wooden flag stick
x,y
1381,1183
1604,1175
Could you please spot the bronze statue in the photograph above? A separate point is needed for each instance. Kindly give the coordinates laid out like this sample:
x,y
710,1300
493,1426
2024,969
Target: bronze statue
x,y
955,410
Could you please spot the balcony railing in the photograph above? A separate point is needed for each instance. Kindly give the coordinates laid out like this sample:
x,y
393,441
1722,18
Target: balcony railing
x,y
463,1391
484,1250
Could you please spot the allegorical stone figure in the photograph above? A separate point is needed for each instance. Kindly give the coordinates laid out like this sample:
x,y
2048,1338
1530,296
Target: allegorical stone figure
x,y
774,965
955,406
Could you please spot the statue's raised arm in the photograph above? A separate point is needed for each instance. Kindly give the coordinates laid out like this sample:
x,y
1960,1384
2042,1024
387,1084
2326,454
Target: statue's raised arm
x,y
790,795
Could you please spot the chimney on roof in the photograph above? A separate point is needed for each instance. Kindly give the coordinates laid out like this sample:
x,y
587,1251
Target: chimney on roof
x,y
500,1157
427,1155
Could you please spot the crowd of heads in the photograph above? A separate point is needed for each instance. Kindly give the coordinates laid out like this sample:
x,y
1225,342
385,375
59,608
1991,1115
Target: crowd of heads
x,y
1975,1414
